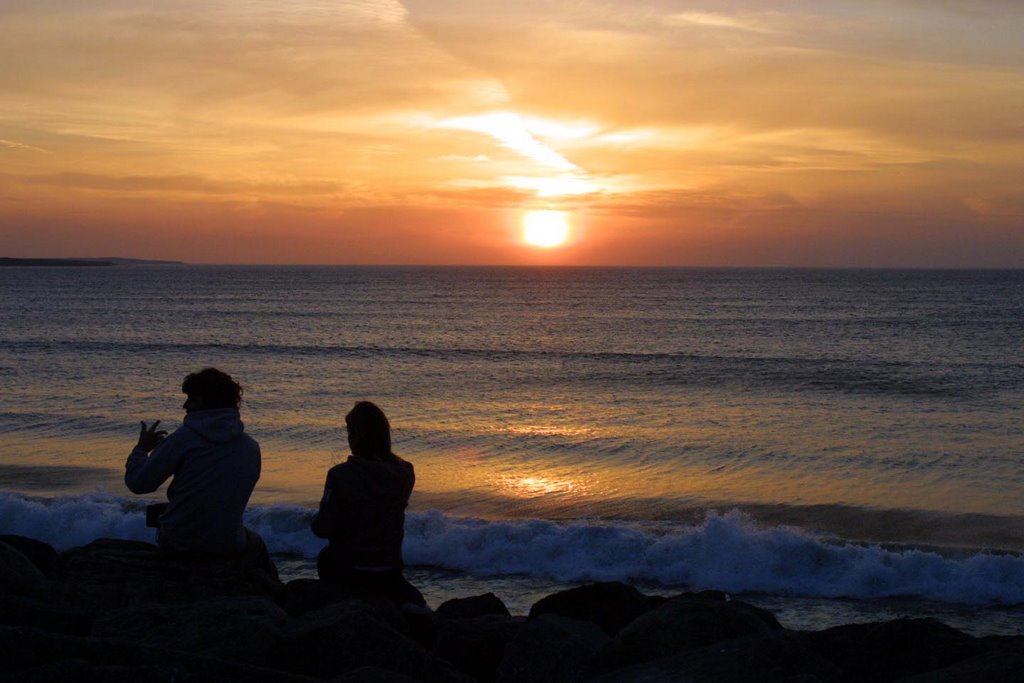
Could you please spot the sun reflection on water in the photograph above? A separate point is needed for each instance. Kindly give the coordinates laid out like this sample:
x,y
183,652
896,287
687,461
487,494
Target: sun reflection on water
x,y
535,486
548,430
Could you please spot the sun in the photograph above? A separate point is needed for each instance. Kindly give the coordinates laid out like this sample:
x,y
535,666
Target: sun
x,y
545,228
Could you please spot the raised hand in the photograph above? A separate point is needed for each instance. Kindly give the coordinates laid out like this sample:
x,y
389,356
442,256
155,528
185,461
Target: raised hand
x,y
150,438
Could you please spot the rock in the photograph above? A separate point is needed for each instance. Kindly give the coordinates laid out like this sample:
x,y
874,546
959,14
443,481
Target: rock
x,y
419,624
110,573
42,555
123,611
551,649
299,596
46,614
18,574
1002,662
475,646
373,674
773,656
891,650
344,636
81,671
34,655
610,605
237,629
475,606
991,667
682,623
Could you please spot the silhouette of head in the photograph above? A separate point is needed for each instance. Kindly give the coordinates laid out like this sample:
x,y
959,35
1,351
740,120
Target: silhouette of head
x,y
369,432
209,389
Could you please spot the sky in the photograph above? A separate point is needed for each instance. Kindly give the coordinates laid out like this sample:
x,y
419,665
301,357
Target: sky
x,y
854,133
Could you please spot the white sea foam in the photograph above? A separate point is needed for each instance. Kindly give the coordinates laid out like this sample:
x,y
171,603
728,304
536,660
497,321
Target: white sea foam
x,y
726,551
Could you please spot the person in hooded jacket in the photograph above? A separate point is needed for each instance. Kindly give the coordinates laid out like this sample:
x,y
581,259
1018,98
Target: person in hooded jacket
x,y
215,466
362,513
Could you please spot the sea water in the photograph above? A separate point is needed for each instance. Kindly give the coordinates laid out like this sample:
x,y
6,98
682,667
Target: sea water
x,y
837,445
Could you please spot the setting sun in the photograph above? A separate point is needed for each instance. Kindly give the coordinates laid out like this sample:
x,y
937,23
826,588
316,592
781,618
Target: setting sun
x,y
545,228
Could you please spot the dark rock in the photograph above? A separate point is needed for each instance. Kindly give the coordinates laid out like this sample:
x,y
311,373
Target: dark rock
x,y
475,606
28,654
991,667
419,624
888,651
305,595
300,596
609,605
82,671
551,649
682,623
110,573
344,636
373,674
47,614
772,656
237,629
18,574
476,646
42,555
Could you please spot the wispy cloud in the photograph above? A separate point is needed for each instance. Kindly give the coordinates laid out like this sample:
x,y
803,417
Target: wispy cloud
x,y
173,184
509,129
11,144
713,20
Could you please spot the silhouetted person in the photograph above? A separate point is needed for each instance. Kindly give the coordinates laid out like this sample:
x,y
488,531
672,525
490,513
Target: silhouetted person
x,y
362,513
215,466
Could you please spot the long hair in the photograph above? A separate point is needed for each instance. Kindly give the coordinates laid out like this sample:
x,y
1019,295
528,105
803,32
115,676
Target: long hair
x,y
369,432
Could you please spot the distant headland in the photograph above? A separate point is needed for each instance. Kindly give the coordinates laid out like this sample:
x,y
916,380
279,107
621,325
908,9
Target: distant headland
x,y
100,261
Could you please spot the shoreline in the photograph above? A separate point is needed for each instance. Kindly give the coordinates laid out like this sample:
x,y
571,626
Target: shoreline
x,y
788,567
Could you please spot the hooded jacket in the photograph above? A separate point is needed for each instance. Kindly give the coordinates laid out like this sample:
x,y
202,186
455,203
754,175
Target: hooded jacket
x,y
362,512
215,466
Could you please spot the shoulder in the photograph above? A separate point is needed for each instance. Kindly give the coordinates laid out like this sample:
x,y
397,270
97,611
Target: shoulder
x,y
180,439
340,472
403,465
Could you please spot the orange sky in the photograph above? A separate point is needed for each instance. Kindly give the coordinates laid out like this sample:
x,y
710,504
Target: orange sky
x,y
825,133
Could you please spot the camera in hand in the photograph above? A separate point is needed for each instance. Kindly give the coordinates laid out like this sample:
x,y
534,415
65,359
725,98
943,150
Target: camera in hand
x,y
153,513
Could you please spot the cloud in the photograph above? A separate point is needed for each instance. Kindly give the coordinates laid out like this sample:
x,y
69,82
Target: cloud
x,y
11,144
508,129
712,20
174,184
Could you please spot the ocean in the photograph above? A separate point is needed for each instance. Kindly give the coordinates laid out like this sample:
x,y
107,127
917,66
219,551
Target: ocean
x,y
835,445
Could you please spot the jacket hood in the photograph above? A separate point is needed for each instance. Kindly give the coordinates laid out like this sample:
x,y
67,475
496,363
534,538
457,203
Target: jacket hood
x,y
219,425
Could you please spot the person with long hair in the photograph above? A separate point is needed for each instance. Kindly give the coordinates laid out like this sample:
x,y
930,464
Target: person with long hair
x,y
362,512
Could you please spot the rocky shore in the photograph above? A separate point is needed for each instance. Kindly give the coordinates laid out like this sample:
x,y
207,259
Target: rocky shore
x,y
118,611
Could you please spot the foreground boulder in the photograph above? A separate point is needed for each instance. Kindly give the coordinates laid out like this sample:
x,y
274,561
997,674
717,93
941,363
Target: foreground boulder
x,y
347,635
475,606
18,574
38,655
477,645
767,657
610,605
109,572
552,649
891,650
42,555
235,628
682,623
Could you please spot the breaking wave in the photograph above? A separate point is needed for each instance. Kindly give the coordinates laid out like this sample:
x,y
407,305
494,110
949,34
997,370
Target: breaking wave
x,y
728,552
